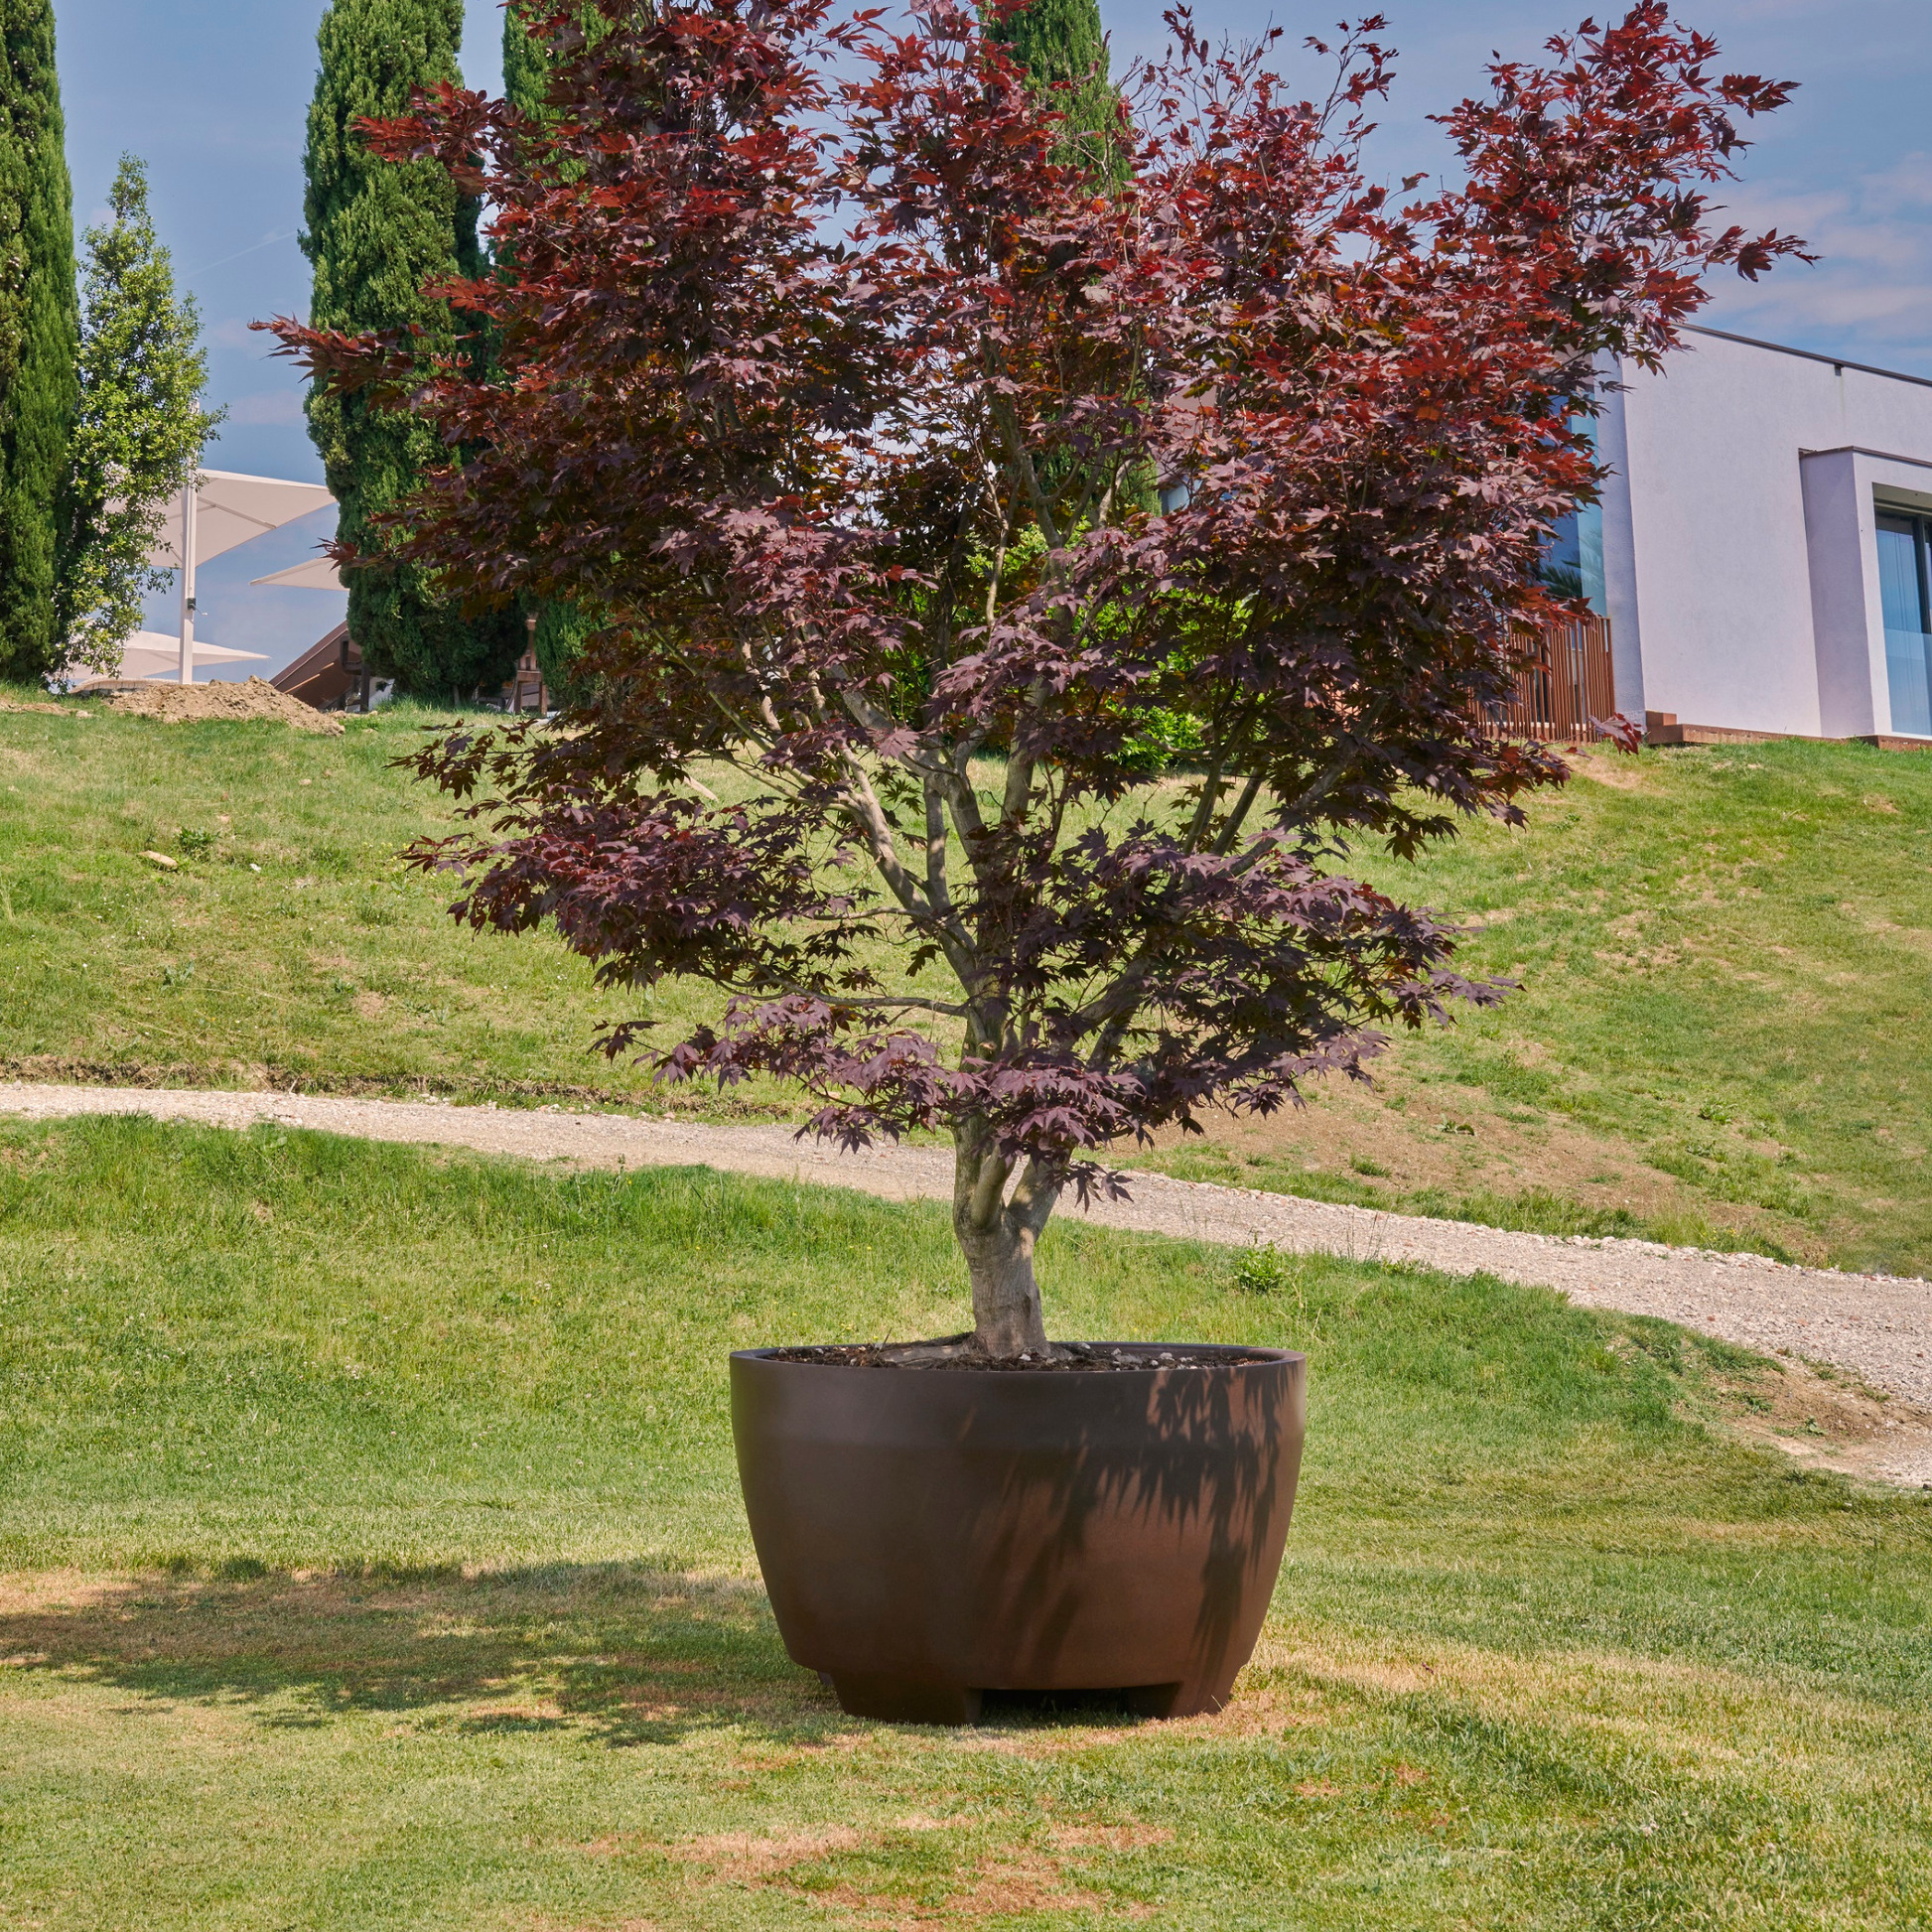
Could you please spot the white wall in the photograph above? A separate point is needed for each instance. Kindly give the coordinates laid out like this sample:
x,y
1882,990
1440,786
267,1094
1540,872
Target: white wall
x,y
1839,531
1620,561
1708,556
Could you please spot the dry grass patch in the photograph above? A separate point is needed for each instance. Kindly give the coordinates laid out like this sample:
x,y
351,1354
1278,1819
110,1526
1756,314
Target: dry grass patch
x,y
1620,774
1468,1155
980,1885
1110,1838
744,1858
1008,1886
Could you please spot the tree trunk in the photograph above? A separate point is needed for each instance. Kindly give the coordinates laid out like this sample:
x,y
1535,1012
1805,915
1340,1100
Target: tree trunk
x,y
1006,1298
997,1236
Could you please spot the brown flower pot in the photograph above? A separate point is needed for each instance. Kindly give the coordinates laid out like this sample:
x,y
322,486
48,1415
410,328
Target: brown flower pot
x,y
932,1534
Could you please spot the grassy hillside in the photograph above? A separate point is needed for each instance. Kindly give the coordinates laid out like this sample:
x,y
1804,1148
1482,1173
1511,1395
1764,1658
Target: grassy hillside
x,y
288,947
370,1558
1721,1032
1724,1021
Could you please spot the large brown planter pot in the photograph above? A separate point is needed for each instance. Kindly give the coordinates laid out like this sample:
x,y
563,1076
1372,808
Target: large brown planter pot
x,y
928,1535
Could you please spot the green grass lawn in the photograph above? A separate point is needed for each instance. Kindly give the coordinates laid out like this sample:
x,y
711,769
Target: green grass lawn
x,y
1725,958
370,1557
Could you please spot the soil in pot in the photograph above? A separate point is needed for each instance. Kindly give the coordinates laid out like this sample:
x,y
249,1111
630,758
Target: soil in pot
x,y
955,1353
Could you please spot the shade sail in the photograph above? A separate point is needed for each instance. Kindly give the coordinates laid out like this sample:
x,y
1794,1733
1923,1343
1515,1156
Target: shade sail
x,y
230,509
149,651
317,574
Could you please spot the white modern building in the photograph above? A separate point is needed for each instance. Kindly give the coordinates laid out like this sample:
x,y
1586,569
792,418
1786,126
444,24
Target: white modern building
x,y
1763,549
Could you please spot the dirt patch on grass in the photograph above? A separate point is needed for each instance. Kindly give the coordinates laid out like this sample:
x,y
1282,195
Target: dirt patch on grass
x,y
1027,1883
1618,770
1827,1421
545,1922
181,704
1012,1880
1108,1837
1052,1741
999,1887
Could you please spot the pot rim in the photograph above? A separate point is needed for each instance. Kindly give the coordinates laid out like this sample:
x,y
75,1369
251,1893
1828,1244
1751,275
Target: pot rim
x,y
1254,1355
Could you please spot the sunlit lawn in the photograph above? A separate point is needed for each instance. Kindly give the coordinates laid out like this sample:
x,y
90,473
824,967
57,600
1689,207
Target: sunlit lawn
x,y
372,1558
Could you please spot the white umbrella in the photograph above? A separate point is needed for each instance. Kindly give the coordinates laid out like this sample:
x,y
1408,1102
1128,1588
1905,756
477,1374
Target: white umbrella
x,y
149,652
317,574
217,512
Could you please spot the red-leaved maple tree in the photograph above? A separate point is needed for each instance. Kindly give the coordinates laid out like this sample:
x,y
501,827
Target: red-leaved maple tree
x,y
933,485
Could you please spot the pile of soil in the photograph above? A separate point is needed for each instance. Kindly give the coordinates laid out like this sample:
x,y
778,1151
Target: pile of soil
x,y
178,704
1075,1357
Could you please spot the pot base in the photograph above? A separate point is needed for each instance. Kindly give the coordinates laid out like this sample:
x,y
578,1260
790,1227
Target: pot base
x,y
909,1700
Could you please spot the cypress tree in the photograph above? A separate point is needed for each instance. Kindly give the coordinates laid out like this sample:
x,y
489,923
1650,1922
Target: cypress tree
x,y
526,62
376,231
40,330
526,73
1062,45
561,627
1062,42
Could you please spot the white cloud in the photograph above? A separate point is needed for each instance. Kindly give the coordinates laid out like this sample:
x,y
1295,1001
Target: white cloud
x,y
1908,179
1869,292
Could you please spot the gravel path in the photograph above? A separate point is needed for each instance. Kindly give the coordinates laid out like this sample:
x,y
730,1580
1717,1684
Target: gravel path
x,y
1877,1326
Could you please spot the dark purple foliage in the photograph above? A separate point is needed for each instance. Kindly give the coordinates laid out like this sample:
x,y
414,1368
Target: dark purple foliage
x,y
843,406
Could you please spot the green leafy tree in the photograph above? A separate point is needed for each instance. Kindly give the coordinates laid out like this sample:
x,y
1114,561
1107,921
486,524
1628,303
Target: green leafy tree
x,y
376,235
139,429
39,335
1062,45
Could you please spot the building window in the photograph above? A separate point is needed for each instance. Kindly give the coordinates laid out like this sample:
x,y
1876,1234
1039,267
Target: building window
x,y
1573,558
1573,565
1905,590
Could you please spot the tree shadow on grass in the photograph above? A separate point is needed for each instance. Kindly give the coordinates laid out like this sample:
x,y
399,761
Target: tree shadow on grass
x,y
614,1652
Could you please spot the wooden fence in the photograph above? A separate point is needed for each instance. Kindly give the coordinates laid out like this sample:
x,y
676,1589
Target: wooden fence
x,y
1563,681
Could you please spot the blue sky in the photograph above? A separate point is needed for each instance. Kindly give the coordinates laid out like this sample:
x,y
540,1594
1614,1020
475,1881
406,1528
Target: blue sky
x,y
212,95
